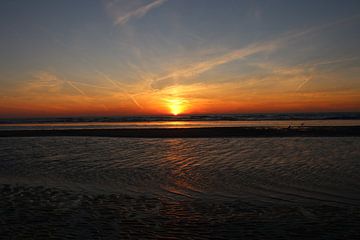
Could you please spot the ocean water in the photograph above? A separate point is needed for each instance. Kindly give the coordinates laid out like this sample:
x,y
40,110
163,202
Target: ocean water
x,y
191,118
195,188
176,124
185,121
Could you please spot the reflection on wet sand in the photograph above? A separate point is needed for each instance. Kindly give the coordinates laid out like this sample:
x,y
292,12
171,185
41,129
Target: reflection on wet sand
x,y
177,152
222,188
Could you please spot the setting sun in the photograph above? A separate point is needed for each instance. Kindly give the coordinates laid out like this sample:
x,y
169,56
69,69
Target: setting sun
x,y
176,106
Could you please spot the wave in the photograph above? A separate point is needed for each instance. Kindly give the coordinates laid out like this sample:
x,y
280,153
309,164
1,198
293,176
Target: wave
x,y
208,117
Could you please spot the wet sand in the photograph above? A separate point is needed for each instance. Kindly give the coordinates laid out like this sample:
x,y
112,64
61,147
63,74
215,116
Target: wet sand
x,y
163,188
30,212
216,132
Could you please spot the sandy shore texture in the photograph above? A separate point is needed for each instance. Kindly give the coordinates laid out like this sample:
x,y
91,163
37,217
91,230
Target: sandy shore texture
x,y
340,131
180,188
30,212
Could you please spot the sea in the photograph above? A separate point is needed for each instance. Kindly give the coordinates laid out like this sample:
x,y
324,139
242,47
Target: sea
x,y
175,188
184,121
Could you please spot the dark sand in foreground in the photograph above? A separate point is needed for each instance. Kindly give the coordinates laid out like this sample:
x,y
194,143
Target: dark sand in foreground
x,y
41,210
29,212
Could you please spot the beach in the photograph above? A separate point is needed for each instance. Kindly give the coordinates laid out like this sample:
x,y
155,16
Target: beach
x,y
76,187
180,120
30,212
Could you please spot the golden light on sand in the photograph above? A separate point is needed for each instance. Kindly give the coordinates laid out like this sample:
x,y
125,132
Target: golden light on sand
x,y
176,106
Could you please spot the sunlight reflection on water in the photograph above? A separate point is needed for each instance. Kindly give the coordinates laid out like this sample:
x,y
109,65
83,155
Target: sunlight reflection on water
x,y
178,124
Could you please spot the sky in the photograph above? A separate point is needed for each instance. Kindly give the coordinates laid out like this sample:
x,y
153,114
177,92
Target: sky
x,y
155,57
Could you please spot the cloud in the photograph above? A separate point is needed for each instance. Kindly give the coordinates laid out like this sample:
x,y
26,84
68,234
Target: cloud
x,y
204,66
124,11
178,76
60,94
45,84
43,81
304,73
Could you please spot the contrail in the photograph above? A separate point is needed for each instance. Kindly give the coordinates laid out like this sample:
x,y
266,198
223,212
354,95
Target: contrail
x,y
241,53
77,89
138,13
303,83
85,95
116,84
325,63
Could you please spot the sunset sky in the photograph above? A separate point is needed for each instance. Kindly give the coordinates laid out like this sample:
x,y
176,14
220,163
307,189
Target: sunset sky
x,y
141,57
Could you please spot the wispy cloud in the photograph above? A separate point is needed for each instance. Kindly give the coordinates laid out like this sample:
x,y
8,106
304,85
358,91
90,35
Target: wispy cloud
x,y
304,73
43,81
49,83
177,76
121,17
204,66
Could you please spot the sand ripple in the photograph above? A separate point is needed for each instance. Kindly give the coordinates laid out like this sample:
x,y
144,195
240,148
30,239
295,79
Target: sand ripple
x,y
29,212
103,188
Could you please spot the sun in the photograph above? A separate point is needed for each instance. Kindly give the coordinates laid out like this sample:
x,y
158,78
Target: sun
x,y
176,106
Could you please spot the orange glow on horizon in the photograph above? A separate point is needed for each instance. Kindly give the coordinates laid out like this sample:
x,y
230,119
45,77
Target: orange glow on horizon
x,y
174,101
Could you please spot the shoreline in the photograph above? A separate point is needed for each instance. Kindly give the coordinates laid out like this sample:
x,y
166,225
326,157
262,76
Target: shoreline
x,y
206,132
